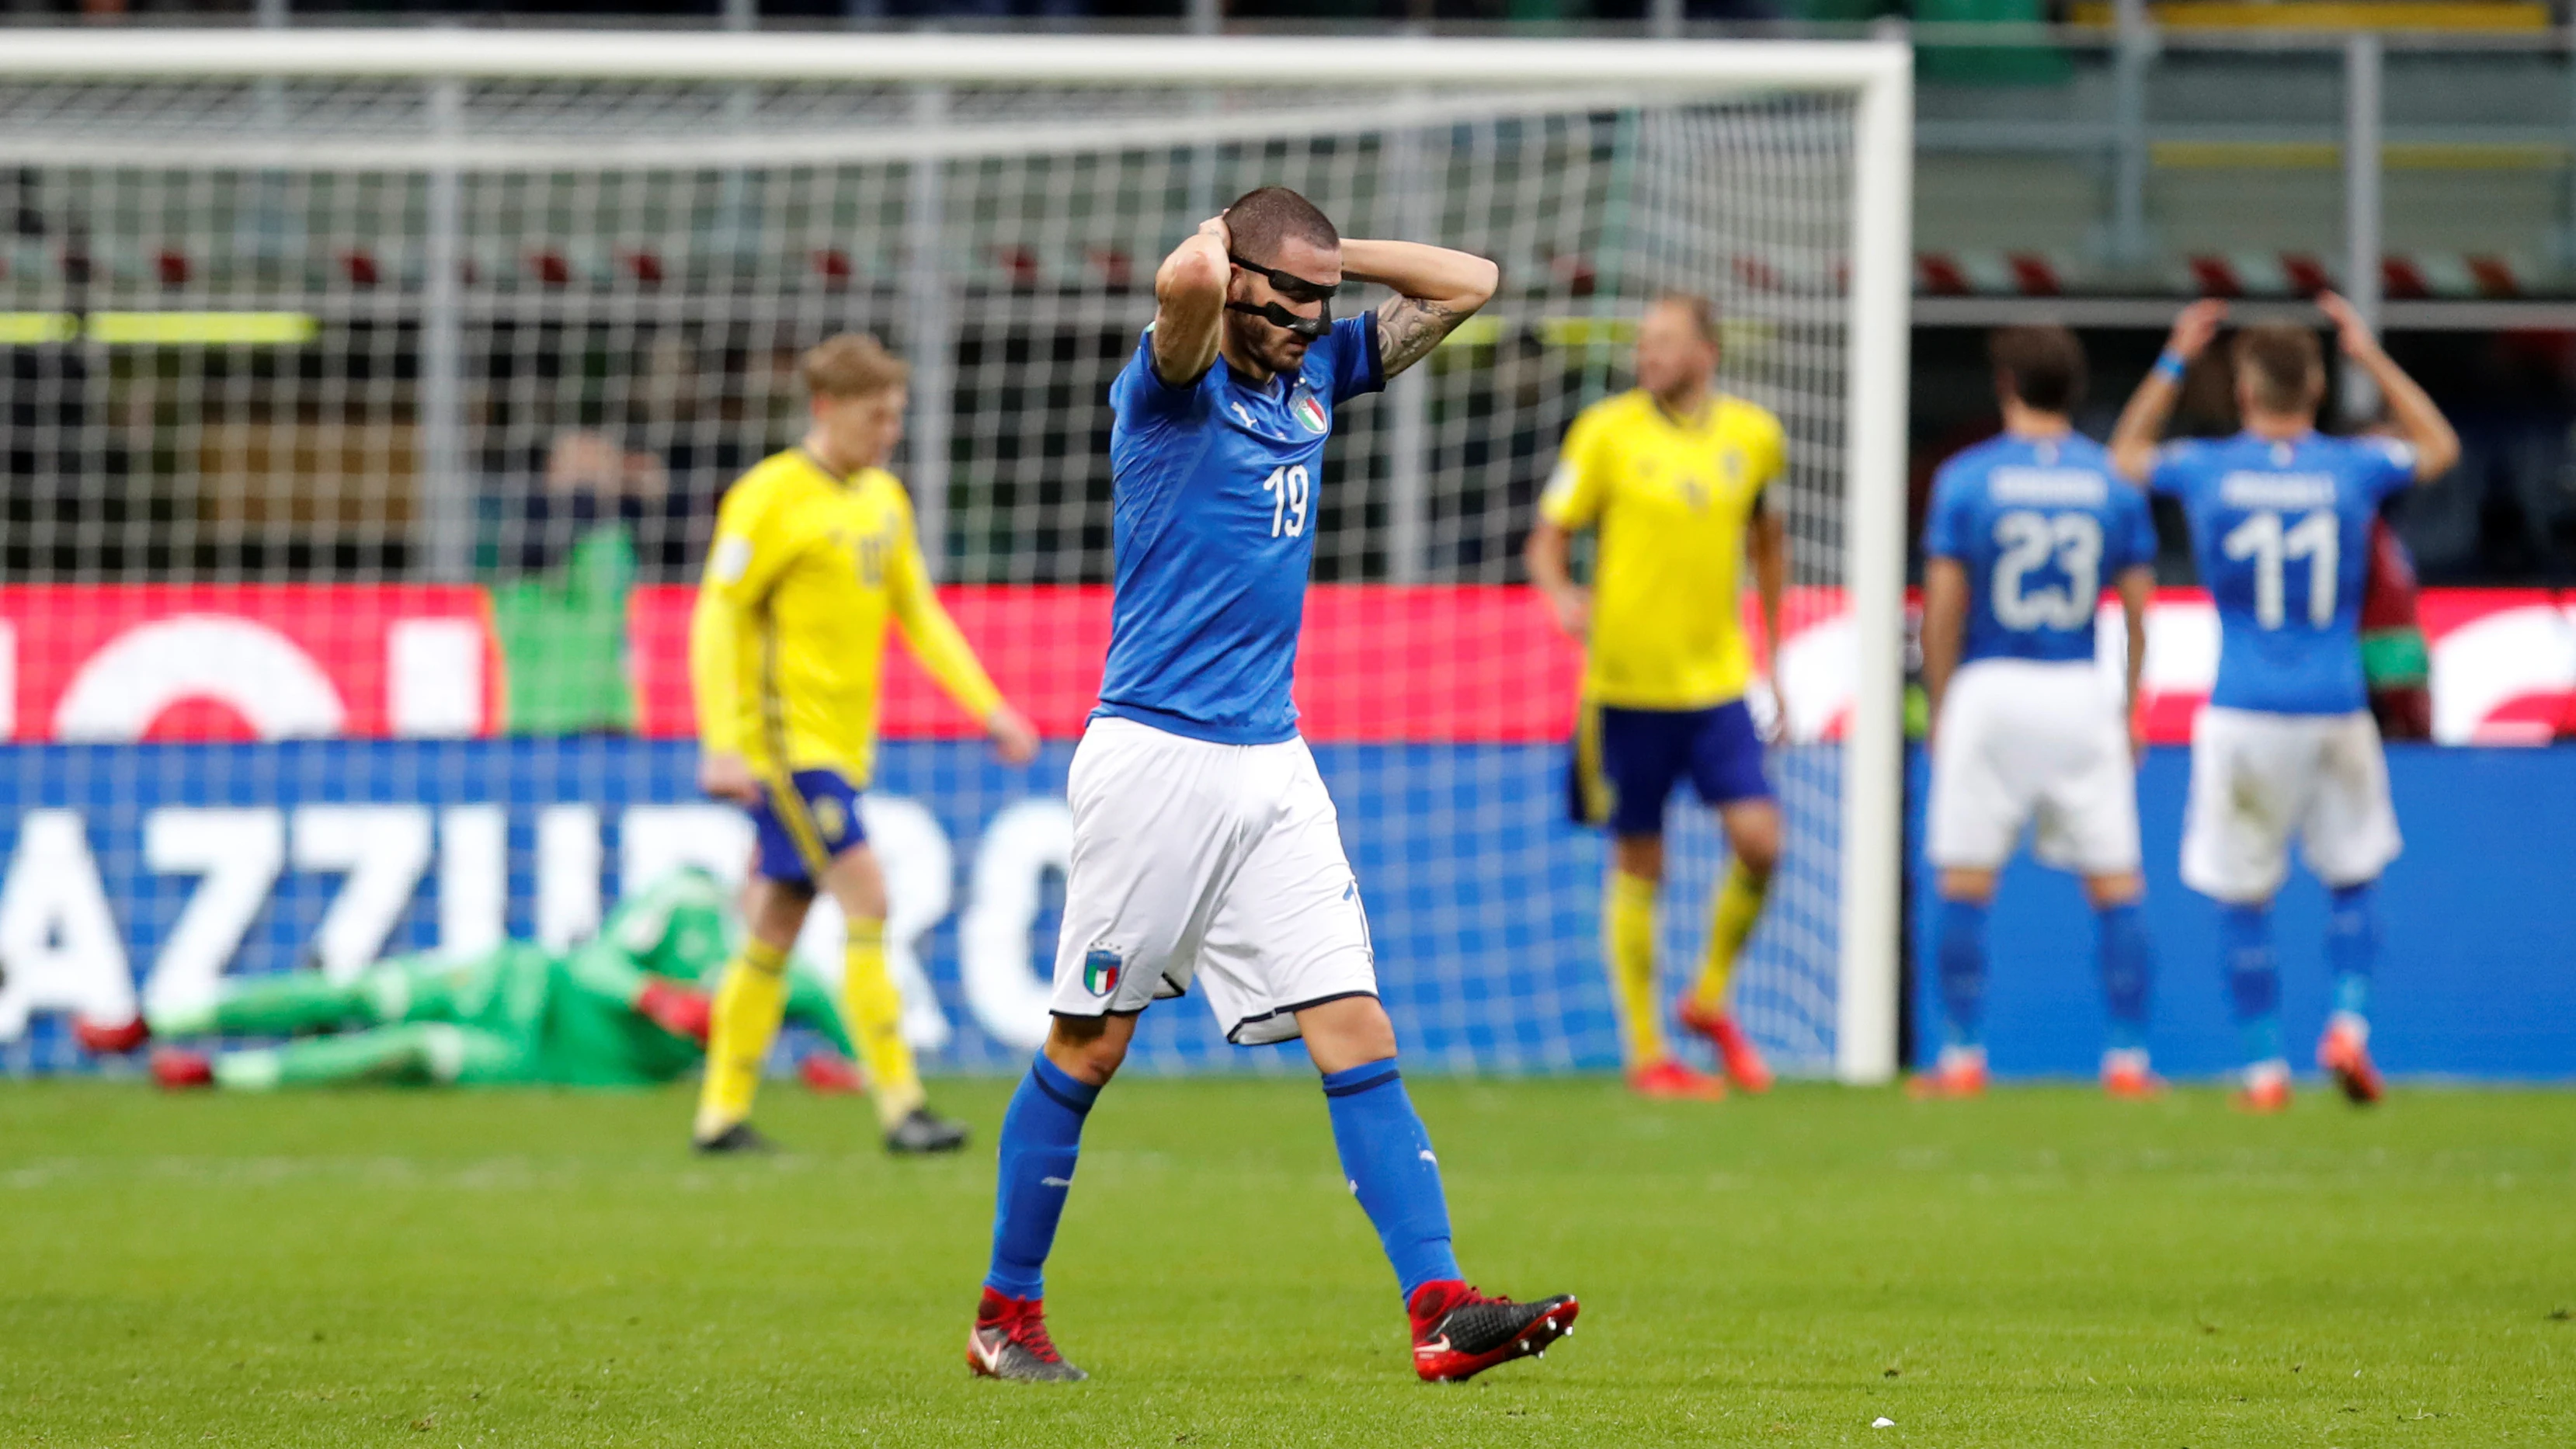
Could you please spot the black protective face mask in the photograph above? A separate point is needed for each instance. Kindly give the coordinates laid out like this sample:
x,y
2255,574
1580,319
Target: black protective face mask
x,y
1296,289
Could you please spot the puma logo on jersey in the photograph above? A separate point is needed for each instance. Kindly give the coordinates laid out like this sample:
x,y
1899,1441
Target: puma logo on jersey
x,y
1241,412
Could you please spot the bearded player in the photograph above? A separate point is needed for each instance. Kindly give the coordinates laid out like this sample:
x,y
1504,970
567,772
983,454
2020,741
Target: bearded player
x,y
814,554
2280,525
1205,848
1673,478
2024,531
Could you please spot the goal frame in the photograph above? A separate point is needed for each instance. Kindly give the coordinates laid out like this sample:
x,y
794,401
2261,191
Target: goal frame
x,y
1877,74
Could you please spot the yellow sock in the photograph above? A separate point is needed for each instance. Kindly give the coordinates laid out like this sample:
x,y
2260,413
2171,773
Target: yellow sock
x,y
875,1010
1628,939
1739,905
742,1024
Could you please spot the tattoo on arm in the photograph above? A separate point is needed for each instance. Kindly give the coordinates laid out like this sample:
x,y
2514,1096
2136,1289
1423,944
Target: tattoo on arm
x,y
1408,328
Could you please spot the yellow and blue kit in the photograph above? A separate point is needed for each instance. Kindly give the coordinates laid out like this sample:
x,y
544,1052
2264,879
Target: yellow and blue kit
x,y
1670,501
787,647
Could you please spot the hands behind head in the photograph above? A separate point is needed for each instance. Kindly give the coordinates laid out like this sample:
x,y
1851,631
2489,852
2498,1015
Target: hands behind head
x,y
2199,322
2195,327
2351,333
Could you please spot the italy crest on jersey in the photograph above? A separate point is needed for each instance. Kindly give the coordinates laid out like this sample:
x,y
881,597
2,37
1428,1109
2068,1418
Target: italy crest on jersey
x,y
1310,413
1100,971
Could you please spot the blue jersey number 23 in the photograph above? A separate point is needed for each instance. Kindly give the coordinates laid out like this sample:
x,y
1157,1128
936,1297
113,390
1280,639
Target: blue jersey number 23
x,y
2031,541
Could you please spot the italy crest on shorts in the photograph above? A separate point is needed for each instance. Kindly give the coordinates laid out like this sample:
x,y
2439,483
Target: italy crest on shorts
x,y
1100,971
1310,413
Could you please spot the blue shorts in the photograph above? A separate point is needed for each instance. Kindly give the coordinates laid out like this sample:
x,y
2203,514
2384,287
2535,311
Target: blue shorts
x,y
802,828
1626,762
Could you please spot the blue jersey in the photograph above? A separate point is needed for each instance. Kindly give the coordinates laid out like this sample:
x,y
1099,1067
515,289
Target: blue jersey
x,y
2281,531
1213,521
2040,525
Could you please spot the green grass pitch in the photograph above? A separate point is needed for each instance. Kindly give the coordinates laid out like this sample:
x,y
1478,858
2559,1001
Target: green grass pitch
x,y
2039,1268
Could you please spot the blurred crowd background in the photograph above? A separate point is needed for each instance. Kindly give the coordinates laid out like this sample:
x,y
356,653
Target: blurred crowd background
x,y
2092,163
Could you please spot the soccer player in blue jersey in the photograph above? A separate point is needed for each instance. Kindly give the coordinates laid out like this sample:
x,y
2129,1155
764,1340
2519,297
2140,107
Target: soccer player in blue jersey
x,y
2024,531
2280,524
1205,848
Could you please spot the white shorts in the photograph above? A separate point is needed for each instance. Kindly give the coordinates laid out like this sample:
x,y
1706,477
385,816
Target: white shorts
x,y
2024,742
1219,863
2256,778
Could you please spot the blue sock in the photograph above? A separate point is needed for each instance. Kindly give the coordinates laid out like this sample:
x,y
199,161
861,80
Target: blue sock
x,y
2127,973
1961,948
2352,944
2253,978
1041,1135
1386,1157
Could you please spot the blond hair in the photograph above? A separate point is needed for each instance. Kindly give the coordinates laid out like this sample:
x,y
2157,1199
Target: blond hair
x,y
1700,310
851,364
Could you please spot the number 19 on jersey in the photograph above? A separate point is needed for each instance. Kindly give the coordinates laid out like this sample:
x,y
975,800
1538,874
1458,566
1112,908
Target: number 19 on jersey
x,y
1291,489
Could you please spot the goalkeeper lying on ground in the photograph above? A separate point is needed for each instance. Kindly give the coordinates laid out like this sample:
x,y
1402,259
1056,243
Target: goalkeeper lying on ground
x,y
624,1009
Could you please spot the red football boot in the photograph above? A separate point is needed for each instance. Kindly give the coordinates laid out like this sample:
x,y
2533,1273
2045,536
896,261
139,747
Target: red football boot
x,y
1009,1341
2125,1077
2345,1052
110,1041
1670,1081
180,1070
1744,1066
1459,1333
1957,1075
2265,1092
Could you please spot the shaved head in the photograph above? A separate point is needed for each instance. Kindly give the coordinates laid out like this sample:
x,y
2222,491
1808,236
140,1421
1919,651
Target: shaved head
x,y
1260,221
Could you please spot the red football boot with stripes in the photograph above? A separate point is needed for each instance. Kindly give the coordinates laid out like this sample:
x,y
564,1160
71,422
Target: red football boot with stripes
x,y
1459,1333
1009,1341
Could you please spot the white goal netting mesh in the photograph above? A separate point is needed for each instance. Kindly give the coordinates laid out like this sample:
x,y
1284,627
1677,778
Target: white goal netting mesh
x,y
361,441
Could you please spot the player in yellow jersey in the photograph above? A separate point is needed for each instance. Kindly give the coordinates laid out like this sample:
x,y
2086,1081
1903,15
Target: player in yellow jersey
x,y
1672,479
814,553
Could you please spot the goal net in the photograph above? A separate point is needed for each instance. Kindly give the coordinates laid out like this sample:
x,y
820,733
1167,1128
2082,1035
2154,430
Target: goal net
x,y
370,397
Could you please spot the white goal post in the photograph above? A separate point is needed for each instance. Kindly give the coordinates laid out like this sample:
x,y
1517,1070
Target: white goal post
x,y
1410,81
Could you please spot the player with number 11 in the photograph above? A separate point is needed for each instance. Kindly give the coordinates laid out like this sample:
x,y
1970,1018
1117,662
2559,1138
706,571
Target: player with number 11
x,y
2280,524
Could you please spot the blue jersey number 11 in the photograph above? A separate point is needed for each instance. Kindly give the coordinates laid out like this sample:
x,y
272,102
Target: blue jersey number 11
x,y
2262,538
